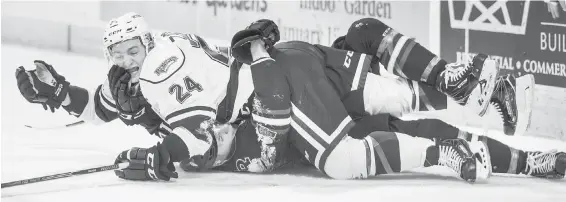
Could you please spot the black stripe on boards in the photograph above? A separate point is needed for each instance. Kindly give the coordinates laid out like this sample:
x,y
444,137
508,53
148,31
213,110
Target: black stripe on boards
x,y
333,144
101,112
189,109
386,56
213,54
180,66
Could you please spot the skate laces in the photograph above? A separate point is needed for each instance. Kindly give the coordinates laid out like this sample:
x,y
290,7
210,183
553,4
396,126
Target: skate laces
x,y
454,72
541,163
501,101
451,158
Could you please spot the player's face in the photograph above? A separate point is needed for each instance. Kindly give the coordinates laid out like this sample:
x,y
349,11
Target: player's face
x,y
130,55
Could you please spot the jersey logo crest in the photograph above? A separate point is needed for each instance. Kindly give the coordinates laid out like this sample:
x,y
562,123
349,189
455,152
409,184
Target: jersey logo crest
x,y
164,66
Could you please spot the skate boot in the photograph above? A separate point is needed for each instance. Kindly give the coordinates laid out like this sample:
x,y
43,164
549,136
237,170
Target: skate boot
x,y
513,99
470,85
550,164
457,154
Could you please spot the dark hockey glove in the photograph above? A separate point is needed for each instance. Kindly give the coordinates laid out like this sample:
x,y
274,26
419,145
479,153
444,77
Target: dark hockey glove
x,y
146,164
42,85
130,102
263,29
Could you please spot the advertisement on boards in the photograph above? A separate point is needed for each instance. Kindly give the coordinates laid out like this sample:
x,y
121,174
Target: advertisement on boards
x,y
313,21
526,37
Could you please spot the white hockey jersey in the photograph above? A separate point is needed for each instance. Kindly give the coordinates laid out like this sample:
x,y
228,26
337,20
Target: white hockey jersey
x,y
185,88
189,85
185,80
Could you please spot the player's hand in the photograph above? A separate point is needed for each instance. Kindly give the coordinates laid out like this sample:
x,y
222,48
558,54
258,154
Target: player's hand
x,y
264,30
153,163
130,102
42,85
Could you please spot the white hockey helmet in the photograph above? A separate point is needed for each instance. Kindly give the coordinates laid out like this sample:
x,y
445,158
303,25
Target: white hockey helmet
x,y
128,26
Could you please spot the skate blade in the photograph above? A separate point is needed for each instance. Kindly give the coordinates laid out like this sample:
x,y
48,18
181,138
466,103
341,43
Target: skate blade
x,y
479,100
483,161
525,92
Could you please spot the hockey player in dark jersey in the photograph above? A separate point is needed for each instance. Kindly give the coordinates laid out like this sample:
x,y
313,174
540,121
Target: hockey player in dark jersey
x,y
270,69
307,95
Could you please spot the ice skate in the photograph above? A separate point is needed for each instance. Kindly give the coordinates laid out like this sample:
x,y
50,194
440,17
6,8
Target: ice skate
x,y
550,164
513,99
470,85
458,155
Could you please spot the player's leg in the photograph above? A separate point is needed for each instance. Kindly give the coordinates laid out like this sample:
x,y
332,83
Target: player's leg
x,y
469,84
387,152
396,96
320,123
504,159
515,110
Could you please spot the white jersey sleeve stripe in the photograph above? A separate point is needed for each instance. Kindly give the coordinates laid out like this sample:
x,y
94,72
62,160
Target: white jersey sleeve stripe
x,y
109,106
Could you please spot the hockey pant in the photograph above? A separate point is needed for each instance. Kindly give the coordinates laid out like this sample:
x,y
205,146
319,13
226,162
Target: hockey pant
x,y
365,93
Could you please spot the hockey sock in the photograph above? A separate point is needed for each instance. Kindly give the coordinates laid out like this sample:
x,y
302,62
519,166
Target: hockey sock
x,y
404,57
399,54
425,128
504,159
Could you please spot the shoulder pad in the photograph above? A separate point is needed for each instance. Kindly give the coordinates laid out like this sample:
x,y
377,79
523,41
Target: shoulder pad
x,y
162,62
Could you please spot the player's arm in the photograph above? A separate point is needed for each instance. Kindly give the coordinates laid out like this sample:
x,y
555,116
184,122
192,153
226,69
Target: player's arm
x,y
271,113
95,107
45,86
190,141
220,54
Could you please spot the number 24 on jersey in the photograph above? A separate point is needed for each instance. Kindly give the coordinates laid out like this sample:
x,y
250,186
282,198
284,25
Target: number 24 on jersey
x,y
179,91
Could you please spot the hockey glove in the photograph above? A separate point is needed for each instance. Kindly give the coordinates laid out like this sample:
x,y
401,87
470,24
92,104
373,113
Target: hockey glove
x,y
130,102
42,85
265,30
146,164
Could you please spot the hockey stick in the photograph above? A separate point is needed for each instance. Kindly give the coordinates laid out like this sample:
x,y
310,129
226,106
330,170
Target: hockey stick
x,y
65,175
56,127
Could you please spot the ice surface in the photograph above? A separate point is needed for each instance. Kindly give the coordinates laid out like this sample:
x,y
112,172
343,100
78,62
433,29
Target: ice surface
x,y
28,153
